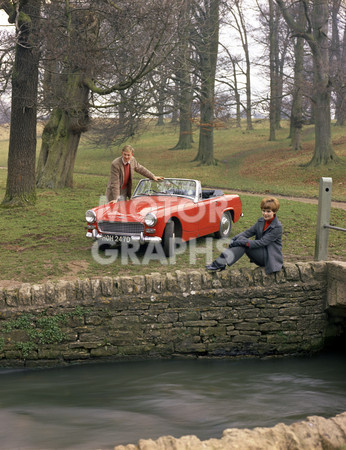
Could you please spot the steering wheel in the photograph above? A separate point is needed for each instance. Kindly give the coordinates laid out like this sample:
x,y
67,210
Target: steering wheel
x,y
150,191
172,182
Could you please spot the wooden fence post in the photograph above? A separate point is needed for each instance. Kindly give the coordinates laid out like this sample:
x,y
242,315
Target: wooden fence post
x,y
323,219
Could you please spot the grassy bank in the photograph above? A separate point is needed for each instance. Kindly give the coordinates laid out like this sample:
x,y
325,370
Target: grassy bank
x,y
48,241
245,160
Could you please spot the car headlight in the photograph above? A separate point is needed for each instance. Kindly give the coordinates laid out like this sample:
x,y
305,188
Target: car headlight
x,y
90,216
150,220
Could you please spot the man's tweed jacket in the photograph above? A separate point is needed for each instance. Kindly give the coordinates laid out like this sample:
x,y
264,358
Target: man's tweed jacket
x,y
116,179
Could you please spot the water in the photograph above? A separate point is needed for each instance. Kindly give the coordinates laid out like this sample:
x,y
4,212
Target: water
x,y
99,406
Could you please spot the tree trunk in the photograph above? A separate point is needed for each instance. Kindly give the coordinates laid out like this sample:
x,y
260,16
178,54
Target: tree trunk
x,y
161,105
160,120
205,153
318,42
273,79
70,117
208,60
339,64
175,104
20,187
121,110
324,152
341,95
61,137
185,102
243,36
236,94
238,112
297,103
184,92
249,125
280,58
185,127
312,113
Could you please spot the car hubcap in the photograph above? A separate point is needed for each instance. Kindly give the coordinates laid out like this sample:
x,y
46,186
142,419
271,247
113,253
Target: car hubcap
x,y
224,225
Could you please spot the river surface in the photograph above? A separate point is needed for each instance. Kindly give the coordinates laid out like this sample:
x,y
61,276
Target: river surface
x,y
99,406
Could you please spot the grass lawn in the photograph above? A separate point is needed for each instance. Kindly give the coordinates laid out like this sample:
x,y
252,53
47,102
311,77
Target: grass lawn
x,y
245,160
47,241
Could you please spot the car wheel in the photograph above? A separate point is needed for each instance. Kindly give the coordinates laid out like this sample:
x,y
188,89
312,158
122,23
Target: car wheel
x,y
168,239
225,226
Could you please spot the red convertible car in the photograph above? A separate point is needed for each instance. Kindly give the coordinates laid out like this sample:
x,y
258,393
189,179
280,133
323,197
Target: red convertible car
x,y
161,211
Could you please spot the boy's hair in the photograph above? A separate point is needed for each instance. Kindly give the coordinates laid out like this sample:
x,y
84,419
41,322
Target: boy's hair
x,y
128,148
271,203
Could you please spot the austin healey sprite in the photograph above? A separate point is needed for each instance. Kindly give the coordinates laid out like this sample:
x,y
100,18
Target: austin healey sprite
x,y
163,211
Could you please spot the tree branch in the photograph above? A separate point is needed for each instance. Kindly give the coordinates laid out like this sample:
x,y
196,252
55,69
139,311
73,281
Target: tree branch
x,y
298,30
9,9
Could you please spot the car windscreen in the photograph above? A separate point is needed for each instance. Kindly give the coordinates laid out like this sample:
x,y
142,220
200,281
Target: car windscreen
x,y
168,186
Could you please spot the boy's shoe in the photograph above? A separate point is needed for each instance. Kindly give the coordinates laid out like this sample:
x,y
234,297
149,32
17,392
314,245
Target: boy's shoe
x,y
215,268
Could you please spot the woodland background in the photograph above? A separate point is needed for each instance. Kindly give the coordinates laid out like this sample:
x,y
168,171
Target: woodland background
x,y
107,67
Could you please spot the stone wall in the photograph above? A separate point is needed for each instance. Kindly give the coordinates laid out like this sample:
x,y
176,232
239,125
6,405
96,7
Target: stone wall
x,y
180,314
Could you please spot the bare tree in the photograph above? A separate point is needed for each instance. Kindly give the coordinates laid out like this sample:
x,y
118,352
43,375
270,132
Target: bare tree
x,y
239,24
120,116
94,63
337,59
68,93
184,81
7,55
161,93
230,72
20,186
274,38
296,122
175,103
273,44
183,69
316,35
205,39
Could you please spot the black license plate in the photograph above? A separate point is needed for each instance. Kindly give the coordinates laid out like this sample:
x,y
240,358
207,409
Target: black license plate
x,y
115,239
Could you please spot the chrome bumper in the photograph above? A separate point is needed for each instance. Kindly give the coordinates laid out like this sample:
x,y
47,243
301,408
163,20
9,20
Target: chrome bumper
x,y
135,238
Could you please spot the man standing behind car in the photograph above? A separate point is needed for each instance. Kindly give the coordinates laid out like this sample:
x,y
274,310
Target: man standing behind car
x,y
120,182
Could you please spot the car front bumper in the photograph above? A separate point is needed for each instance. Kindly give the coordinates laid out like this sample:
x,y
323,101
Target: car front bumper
x,y
96,236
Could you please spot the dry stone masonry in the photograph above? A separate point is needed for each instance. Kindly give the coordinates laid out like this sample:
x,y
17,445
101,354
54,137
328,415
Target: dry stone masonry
x,y
235,313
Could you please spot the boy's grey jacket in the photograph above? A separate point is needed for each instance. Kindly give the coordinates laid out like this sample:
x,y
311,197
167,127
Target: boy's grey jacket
x,y
270,240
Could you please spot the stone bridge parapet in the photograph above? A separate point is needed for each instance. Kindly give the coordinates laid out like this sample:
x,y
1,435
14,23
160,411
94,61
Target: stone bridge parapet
x,y
235,313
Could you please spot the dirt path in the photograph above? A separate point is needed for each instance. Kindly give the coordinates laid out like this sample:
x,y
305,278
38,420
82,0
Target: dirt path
x,y
313,201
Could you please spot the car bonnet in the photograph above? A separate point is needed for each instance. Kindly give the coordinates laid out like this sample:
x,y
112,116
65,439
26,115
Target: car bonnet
x,y
135,210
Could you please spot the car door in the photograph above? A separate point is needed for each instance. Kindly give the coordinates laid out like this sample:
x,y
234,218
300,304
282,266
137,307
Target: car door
x,y
210,212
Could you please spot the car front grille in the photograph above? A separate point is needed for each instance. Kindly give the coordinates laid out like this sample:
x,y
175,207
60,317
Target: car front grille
x,y
121,227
